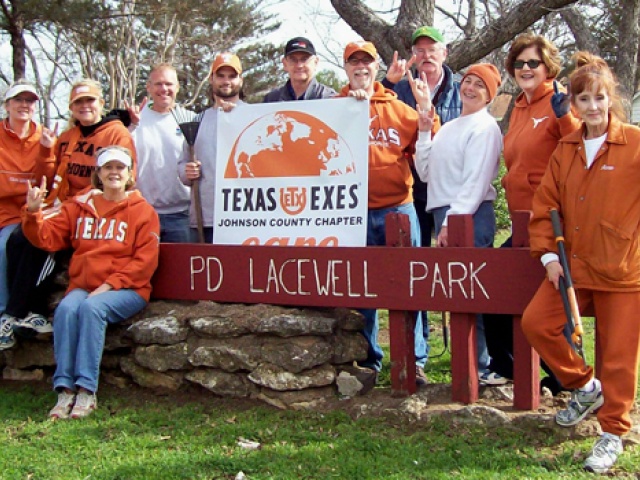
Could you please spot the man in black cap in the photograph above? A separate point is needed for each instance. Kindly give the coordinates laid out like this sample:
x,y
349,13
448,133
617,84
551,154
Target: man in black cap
x,y
300,63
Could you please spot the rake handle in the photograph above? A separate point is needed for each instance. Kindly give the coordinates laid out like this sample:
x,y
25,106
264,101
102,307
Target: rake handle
x,y
197,200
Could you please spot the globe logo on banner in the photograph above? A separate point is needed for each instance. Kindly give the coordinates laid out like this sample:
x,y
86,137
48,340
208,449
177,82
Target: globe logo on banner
x,y
289,144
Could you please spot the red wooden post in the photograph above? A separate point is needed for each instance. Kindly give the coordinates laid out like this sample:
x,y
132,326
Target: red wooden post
x,y
464,357
401,323
526,361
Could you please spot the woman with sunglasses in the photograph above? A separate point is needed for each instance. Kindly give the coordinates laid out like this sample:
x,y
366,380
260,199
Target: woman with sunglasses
x,y
541,117
114,234
26,153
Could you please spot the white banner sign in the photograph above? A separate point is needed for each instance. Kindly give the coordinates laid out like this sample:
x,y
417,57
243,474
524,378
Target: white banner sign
x,y
293,173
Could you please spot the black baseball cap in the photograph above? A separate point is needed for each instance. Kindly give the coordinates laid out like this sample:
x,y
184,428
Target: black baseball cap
x,y
299,44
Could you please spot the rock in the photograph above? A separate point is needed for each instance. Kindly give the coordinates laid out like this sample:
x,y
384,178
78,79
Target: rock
x,y
230,354
480,415
150,379
110,360
222,383
348,385
162,358
349,320
415,405
116,338
16,374
349,347
307,399
164,330
277,379
296,322
116,380
296,354
31,354
497,393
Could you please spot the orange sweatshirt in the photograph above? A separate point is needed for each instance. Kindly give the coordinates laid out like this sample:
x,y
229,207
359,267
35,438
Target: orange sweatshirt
x,y
114,243
21,160
600,208
74,168
534,132
393,131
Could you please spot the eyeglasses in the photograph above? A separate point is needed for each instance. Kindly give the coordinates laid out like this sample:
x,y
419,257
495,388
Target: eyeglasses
x,y
426,51
532,64
362,60
27,100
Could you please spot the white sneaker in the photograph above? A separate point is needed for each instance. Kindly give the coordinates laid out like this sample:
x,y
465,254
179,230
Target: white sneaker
x,y
85,404
7,338
581,404
64,405
35,322
489,378
604,454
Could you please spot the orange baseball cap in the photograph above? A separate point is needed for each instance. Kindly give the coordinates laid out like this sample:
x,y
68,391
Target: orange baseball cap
x,y
366,47
227,59
84,91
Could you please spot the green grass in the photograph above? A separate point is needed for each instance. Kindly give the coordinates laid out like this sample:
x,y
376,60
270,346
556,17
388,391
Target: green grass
x,y
134,438
136,435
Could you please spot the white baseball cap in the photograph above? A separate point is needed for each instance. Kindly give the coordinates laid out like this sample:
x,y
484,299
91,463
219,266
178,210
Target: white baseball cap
x,y
19,88
110,154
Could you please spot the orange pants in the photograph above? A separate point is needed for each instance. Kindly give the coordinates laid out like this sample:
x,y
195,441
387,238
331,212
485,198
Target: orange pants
x,y
618,330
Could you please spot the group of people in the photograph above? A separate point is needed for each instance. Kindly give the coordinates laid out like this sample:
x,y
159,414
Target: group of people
x,y
71,197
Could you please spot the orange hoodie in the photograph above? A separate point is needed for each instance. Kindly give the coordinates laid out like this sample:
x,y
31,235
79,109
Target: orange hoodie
x,y
114,243
393,130
74,167
534,132
21,160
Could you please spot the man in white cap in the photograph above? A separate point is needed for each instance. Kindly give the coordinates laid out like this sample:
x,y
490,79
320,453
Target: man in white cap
x,y
225,79
300,62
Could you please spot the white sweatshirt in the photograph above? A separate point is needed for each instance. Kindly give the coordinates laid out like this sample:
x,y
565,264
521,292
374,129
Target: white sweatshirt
x,y
159,143
460,163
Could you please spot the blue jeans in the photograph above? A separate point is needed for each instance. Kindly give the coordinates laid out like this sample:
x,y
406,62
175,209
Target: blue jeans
x,y
376,236
174,227
484,232
79,328
208,235
4,284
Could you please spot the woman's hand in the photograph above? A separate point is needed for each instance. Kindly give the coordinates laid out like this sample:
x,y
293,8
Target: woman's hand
x,y
425,119
105,287
36,195
48,137
443,237
554,272
421,90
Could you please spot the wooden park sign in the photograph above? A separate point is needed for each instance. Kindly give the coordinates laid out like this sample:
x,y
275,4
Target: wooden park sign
x,y
459,279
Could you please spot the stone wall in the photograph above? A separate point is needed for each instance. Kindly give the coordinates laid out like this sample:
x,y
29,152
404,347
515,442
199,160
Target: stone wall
x,y
289,358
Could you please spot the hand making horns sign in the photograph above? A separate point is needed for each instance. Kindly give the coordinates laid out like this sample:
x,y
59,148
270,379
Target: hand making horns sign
x,y
48,137
398,67
36,195
135,110
422,94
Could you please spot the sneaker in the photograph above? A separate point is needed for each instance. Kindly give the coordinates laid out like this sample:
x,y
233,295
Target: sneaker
x,y
421,377
85,404
604,454
63,407
489,378
580,405
36,322
7,338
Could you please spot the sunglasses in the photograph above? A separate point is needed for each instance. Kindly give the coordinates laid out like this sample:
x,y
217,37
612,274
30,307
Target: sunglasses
x,y
363,60
532,64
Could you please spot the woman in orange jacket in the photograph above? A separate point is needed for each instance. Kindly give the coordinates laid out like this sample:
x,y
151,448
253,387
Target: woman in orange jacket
x,y
541,116
30,269
114,234
26,153
592,180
